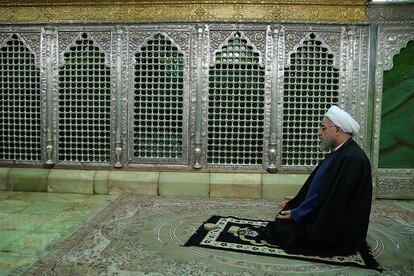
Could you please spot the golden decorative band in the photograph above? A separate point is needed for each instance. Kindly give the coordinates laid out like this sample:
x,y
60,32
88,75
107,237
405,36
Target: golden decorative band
x,y
184,10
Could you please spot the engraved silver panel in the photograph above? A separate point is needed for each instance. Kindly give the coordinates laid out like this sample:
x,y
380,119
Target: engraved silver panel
x,y
383,13
391,39
396,183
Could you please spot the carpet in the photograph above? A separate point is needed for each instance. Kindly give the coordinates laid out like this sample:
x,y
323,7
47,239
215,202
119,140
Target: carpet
x,y
137,235
246,235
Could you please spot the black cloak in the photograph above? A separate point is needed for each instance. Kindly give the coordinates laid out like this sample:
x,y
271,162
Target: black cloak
x,y
339,223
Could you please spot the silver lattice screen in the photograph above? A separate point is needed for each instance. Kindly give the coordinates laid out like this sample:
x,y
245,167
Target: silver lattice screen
x,y
19,103
311,86
84,104
158,100
236,106
177,95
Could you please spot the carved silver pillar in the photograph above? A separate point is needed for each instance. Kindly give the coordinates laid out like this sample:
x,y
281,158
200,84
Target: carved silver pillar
x,y
50,35
199,92
118,92
275,134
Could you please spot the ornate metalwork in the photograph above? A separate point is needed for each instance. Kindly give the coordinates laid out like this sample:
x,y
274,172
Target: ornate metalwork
x,y
102,40
386,14
199,44
83,99
189,10
159,96
391,38
196,100
20,101
396,183
220,34
236,104
357,76
48,50
197,156
118,73
311,86
206,44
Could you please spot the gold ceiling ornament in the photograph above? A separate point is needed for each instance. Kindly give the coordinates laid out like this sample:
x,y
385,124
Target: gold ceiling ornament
x,y
181,10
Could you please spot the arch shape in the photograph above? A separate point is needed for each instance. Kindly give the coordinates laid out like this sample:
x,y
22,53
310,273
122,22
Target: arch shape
x,y
236,99
82,36
159,125
311,86
311,36
84,104
237,48
20,102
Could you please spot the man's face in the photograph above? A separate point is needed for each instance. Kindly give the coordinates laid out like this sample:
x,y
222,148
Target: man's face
x,y
328,134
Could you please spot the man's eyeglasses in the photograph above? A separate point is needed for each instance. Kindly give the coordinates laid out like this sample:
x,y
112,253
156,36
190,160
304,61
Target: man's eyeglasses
x,y
323,128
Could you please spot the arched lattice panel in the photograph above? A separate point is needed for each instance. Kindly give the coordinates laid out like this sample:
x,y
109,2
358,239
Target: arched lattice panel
x,y
20,122
311,86
236,94
84,105
158,102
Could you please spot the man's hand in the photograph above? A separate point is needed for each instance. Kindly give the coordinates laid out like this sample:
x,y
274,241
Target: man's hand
x,y
285,200
287,215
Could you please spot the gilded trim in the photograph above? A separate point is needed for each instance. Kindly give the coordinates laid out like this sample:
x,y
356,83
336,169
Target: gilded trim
x,y
168,10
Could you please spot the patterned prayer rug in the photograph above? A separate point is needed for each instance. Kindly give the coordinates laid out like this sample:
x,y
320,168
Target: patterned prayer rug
x,y
245,235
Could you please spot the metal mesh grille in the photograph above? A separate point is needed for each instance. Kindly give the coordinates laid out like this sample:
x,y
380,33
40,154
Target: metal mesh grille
x,y
310,88
236,106
84,104
158,100
19,103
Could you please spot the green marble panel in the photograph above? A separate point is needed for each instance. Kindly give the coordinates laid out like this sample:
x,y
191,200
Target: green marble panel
x,y
100,183
184,184
28,179
236,185
71,181
279,185
3,179
135,183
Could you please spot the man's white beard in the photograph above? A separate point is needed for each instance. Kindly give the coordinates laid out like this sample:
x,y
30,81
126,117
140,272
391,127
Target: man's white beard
x,y
326,145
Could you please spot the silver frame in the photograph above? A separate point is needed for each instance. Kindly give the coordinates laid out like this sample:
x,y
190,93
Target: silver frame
x,y
182,37
218,35
62,37
389,182
33,38
359,57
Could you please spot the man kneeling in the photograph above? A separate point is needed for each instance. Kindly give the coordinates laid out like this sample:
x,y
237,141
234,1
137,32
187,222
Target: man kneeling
x,y
330,214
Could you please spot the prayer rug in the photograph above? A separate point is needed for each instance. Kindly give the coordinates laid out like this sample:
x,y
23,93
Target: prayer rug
x,y
245,235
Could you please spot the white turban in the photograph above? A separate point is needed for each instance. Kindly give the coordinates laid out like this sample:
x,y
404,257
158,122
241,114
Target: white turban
x,y
342,119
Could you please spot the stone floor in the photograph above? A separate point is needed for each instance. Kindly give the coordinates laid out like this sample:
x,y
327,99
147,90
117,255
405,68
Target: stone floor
x,y
73,234
30,222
